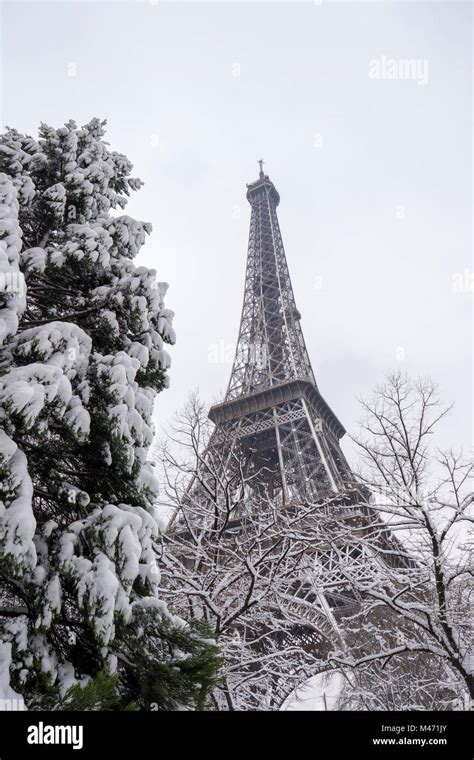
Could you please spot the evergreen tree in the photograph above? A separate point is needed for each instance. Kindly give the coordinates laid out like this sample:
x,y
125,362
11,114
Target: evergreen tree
x,y
82,334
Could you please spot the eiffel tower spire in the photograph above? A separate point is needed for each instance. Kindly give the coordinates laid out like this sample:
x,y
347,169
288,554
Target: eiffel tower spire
x,y
273,409
271,347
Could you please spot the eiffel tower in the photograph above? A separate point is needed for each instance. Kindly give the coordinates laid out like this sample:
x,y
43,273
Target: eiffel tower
x,y
273,409
275,428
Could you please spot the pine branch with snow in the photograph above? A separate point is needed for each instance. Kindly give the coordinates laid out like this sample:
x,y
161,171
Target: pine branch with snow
x,y
83,333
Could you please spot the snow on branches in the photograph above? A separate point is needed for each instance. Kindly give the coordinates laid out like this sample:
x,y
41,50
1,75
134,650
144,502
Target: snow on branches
x,y
374,584
83,333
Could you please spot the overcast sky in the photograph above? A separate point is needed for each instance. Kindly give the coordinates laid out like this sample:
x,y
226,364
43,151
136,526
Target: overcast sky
x,y
374,174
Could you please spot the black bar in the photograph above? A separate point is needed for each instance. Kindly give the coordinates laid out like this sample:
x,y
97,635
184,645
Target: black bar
x,y
324,734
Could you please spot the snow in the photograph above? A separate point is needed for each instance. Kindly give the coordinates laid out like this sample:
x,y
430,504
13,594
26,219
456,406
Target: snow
x,y
74,496
140,352
6,692
112,321
67,677
17,521
78,419
321,692
55,199
26,390
126,535
7,447
51,602
62,344
106,453
12,304
34,259
99,590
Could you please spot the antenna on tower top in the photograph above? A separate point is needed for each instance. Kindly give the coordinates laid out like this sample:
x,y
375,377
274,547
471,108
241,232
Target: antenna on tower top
x,y
261,162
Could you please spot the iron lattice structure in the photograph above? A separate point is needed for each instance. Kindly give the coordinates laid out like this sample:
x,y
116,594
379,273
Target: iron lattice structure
x,y
273,410
275,426
276,442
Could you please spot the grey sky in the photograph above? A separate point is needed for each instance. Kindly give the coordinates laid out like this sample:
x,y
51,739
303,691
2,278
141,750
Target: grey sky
x,y
374,175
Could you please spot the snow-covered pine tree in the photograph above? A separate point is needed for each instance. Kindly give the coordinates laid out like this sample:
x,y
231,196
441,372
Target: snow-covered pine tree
x,y
82,334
